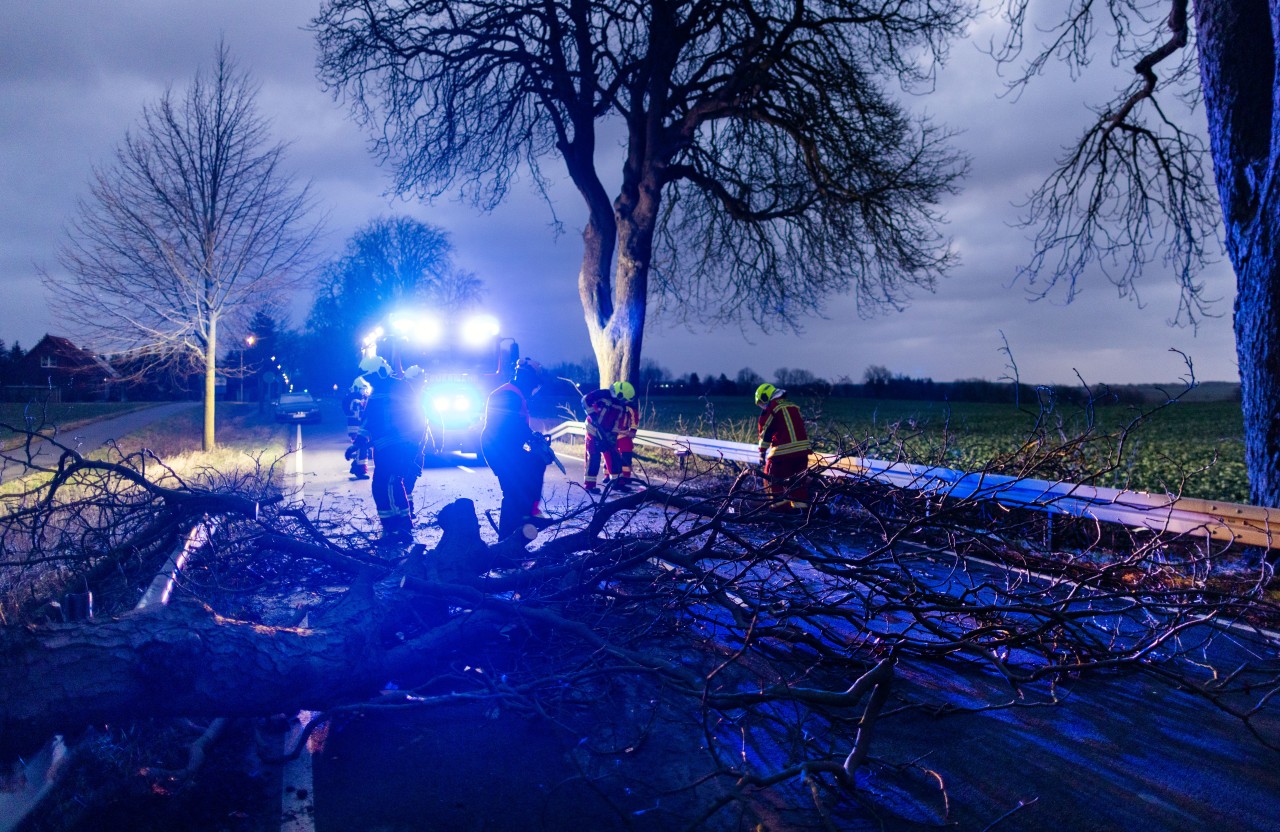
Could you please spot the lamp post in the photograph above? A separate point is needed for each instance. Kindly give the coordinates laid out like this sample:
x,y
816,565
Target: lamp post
x,y
250,341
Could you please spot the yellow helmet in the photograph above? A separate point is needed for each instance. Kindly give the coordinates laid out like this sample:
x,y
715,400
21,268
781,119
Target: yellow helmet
x,y
623,390
765,392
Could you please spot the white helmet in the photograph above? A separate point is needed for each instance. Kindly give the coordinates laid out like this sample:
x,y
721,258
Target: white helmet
x,y
374,364
412,372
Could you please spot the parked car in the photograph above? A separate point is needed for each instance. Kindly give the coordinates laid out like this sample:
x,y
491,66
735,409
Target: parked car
x,y
297,407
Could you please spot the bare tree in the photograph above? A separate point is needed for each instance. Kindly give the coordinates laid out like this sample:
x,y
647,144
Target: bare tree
x,y
193,226
764,162
1135,189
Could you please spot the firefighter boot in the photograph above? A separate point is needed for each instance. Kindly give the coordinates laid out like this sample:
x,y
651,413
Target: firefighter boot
x,y
396,531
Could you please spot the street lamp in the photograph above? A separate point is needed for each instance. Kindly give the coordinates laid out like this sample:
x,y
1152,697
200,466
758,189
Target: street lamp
x,y
250,341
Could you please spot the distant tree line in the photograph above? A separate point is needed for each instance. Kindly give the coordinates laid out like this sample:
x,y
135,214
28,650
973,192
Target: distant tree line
x,y
9,357
878,382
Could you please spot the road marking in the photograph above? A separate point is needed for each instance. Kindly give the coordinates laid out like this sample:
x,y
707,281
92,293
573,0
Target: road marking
x,y
297,791
465,468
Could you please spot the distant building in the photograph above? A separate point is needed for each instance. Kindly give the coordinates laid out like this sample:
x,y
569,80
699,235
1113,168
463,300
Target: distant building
x,y
56,369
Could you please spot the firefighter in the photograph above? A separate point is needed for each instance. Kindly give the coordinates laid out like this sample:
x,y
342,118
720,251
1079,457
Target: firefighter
x,y
360,450
396,427
628,422
516,453
784,450
603,414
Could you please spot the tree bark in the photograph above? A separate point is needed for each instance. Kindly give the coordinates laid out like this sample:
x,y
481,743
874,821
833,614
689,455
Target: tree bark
x,y
190,662
61,677
1237,55
616,310
209,436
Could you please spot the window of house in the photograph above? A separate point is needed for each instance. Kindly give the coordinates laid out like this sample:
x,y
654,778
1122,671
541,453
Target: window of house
x,y
48,361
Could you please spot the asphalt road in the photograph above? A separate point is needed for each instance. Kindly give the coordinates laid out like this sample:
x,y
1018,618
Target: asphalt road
x,y
323,476
89,437
1117,754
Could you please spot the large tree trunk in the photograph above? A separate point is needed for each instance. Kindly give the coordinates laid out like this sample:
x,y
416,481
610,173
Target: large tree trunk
x,y
187,661
616,310
1236,42
60,677
1257,329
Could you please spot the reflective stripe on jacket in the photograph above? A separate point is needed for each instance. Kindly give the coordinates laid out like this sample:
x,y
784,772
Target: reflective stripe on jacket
x,y
629,421
782,429
603,414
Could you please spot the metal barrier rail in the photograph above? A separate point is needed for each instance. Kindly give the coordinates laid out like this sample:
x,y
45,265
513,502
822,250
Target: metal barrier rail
x,y
1234,522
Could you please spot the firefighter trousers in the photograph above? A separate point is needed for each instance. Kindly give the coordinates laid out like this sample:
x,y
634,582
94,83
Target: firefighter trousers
x,y
520,474
626,450
786,478
595,449
394,476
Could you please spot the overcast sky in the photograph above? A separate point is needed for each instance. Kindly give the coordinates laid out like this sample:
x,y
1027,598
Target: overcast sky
x,y
75,75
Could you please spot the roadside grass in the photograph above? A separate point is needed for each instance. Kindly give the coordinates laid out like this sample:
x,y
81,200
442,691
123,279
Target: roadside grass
x,y
247,442
1193,449
66,416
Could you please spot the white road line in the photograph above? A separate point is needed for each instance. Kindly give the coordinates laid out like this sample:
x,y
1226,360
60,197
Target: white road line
x,y
297,789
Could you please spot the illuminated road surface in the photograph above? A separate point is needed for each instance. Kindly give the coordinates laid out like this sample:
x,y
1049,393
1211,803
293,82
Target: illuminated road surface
x,y
1118,754
326,481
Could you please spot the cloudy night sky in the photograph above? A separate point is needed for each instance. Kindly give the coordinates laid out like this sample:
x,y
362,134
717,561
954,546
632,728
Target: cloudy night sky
x,y
74,76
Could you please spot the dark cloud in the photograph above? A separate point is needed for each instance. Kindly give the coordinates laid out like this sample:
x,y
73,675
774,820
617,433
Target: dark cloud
x,y
74,77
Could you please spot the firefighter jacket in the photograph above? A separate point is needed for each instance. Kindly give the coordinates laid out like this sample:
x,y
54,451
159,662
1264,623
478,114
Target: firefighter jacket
x,y
603,415
506,422
353,405
394,414
782,430
628,420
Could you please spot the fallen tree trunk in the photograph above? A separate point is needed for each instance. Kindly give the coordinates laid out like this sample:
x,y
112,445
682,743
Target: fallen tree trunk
x,y
186,660
177,662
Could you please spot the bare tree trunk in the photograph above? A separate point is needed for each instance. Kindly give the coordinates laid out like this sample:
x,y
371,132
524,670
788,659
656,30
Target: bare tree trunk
x,y
615,310
57,678
1237,55
1257,330
189,661
210,384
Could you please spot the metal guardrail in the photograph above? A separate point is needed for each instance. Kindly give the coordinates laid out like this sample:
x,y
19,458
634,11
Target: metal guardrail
x,y
1165,514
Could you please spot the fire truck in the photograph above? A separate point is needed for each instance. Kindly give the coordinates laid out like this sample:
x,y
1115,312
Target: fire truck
x,y
463,359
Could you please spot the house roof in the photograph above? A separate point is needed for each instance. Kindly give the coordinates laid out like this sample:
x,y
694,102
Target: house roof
x,y
65,347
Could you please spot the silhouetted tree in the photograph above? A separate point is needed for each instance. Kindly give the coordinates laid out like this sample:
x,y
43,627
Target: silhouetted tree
x,y
748,378
652,374
391,261
765,162
1135,188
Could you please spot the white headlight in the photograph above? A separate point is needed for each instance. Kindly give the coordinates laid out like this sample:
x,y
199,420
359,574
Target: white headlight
x,y
461,402
441,404
421,329
479,329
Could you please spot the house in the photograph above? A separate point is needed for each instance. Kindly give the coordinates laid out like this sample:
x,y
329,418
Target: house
x,y
57,369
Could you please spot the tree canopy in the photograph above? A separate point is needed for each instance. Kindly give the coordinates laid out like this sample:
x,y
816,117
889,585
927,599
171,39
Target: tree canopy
x,y
763,161
389,262
1135,192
